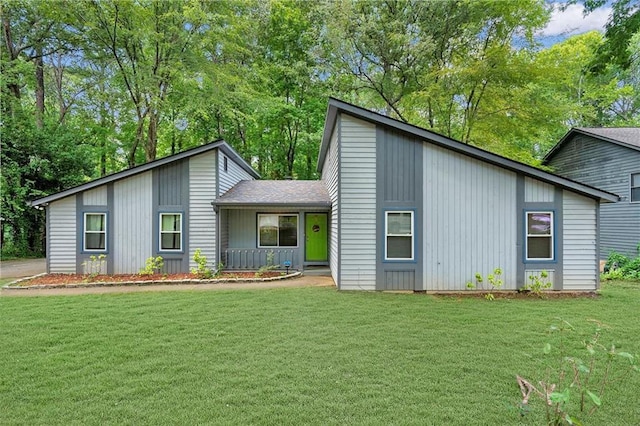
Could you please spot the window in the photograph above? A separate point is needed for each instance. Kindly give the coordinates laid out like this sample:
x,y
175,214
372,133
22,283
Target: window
x,y
277,230
539,236
225,163
170,231
635,188
95,232
399,235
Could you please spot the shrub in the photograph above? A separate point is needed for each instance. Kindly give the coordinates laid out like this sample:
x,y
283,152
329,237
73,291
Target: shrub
x,y
201,270
619,266
153,265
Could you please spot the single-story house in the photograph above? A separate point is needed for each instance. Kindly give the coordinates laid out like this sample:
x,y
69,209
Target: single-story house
x,y
607,158
397,208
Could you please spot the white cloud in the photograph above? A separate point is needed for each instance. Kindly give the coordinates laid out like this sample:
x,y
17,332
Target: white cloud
x,y
572,20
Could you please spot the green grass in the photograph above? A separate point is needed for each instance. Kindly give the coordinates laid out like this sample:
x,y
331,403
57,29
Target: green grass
x,y
292,356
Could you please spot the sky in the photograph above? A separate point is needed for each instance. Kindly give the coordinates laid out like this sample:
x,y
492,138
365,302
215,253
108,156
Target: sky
x,y
571,22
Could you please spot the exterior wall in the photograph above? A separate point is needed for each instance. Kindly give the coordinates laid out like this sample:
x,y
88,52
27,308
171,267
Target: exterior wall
x,y
606,166
469,222
537,192
357,209
581,269
61,238
330,177
233,175
132,225
242,251
202,218
399,188
95,197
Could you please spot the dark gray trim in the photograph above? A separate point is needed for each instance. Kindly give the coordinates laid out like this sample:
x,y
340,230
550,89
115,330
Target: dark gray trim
x,y
155,212
217,215
220,144
332,119
461,148
597,245
47,224
339,203
185,215
556,264
110,226
558,279
80,232
520,281
383,138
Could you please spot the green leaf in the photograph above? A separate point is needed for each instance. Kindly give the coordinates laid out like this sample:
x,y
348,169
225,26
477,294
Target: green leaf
x,y
560,397
547,349
595,398
626,355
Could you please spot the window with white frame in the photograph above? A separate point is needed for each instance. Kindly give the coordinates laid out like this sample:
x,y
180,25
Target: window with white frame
x,y
539,236
171,231
634,196
95,232
277,230
399,235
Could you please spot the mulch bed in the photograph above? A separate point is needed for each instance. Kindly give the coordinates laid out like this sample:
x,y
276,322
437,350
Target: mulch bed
x,y
61,279
548,294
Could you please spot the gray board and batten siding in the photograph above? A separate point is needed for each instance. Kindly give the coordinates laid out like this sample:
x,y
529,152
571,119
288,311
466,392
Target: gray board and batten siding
x,y
606,164
469,208
133,200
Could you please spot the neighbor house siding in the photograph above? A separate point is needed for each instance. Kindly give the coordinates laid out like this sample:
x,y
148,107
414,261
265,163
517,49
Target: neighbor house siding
x,y
62,236
233,175
132,223
469,222
357,188
580,249
607,166
330,179
202,218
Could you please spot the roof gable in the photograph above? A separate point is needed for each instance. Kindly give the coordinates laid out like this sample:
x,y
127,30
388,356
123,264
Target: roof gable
x,y
628,137
336,107
219,144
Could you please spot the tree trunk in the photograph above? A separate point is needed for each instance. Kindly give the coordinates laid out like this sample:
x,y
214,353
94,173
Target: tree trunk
x,y
151,146
39,88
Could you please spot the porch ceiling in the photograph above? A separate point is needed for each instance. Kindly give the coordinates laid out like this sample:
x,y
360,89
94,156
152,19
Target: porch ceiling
x,y
276,193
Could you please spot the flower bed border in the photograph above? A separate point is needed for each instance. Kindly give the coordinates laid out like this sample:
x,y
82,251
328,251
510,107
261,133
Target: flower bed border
x,y
14,285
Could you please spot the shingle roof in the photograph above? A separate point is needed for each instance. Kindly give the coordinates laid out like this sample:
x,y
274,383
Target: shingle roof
x,y
278,193
628,135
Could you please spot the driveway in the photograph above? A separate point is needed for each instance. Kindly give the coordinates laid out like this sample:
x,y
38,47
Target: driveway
x,y
22,268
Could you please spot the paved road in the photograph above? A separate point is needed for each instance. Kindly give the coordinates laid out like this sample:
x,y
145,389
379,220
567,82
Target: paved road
x,y
22,268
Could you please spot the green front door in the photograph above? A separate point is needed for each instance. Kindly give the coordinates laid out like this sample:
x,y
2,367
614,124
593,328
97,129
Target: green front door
x,y
316,231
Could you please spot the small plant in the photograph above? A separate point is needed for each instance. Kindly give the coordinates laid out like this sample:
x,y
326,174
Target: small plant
x,y
153,265
219,270
494,280
576,387
538,283
619,266
269,266
202,271
93,267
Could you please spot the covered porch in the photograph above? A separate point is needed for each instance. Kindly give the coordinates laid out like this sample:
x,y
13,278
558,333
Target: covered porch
x,y
280,224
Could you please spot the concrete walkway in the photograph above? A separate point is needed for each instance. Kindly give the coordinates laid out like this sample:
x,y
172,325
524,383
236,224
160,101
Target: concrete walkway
x,y
303,281
22,268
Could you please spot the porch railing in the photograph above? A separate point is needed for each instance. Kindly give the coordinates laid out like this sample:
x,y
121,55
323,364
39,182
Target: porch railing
x,y
238,258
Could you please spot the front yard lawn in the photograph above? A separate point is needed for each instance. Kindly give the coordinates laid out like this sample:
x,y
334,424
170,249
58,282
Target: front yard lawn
x,y
294,356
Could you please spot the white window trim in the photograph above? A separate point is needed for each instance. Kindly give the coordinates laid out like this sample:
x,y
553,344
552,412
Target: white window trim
x,y
551,234
277,246
170,232
386,235
631,187
85,232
